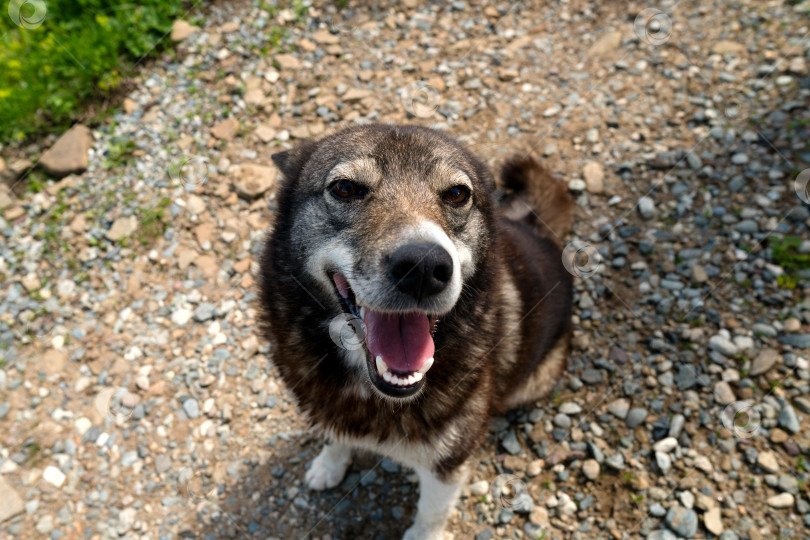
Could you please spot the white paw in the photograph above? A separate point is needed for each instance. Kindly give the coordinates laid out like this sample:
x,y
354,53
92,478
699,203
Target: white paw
x,y
422,531
326,472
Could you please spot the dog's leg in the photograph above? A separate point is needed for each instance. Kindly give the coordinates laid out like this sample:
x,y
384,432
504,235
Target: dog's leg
x,y
436,500
329,467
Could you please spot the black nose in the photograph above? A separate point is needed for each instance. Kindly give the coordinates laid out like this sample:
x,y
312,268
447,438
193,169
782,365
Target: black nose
x,y
420,270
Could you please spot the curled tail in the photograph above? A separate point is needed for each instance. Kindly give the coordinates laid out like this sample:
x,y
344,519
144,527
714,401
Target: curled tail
x,y
537,197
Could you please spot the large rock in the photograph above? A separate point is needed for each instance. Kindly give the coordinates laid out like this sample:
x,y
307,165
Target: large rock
x,y
181,30
122,227
251,180
11,503
69,154
606,43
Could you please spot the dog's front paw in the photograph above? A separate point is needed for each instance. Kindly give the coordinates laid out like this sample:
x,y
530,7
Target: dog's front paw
x,y
422,531
327,469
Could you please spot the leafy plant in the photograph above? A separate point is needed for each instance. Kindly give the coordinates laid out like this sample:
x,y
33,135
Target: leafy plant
x,y
57,55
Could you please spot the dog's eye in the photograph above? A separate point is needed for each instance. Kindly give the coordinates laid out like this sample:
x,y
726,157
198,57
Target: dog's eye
x,y
346,190
456,195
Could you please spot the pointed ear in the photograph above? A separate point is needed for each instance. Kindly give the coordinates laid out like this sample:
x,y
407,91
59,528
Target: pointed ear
x,y
290,162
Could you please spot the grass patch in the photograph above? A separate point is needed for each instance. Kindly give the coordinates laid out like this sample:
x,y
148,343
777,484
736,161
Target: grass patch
x,y
152,223
56,56
785,253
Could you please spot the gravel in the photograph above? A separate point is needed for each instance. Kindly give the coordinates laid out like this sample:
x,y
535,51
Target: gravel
x,y
137,402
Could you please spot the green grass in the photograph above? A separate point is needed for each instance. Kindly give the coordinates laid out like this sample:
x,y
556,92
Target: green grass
x,y
57,56
785,253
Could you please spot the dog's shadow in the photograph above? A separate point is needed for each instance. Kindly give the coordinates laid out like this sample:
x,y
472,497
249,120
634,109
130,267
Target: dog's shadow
x,y
268,498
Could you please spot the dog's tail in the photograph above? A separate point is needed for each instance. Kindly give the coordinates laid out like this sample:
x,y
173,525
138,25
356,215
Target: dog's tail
x,y
537,196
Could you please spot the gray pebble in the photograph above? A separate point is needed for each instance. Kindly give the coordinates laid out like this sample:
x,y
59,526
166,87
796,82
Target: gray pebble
x,y
683,521
191,408
788,419
635,417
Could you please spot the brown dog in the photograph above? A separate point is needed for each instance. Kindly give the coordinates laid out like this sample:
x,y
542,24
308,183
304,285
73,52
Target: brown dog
x,y
405,307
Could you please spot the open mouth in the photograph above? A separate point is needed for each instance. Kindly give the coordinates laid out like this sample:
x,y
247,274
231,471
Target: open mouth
x,y
400,345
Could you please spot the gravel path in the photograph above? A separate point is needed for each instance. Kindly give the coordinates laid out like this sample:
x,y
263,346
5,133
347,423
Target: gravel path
x,y
137,402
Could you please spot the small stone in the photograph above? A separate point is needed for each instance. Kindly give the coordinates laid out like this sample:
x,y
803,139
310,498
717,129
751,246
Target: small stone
x,y
53,476
122,228
704,464
594,177
787,419
616,461
635,417
510,443
661,534
699,274
552,111
666,445
69,154
783,500
479,488
725,46
11,503
723,394
609,41
204,311
591,469
226,129
792,325
619,408
251,181
181,30
181,316
52,362
683,521
646,207
265,133
713,521
570,408
767,461
195,205
663,461
539,516
764,361
191,408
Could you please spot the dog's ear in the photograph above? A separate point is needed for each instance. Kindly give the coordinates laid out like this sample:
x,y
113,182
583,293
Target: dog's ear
x,y
290,162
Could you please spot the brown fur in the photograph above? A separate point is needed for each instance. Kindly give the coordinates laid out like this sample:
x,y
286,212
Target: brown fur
x,y
492,348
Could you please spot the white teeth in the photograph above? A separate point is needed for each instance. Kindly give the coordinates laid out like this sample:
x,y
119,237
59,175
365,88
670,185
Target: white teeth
x,y
400,380
363,315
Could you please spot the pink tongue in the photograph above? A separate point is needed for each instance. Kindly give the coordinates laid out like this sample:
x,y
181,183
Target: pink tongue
x,y
402,339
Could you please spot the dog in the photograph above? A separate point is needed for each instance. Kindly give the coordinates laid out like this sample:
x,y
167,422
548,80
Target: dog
x,y
408,299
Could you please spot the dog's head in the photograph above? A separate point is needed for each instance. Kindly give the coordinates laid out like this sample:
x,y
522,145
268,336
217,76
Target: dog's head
x,y
390,223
